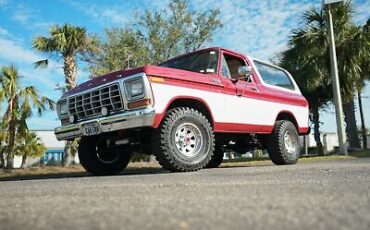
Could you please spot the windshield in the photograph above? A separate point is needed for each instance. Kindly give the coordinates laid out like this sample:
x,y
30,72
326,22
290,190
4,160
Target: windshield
x,y
200,62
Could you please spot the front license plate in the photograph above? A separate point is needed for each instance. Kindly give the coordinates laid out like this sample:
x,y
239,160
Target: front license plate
x,y
91,129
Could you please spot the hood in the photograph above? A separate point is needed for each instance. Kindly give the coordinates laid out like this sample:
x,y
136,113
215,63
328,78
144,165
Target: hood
x,y
148,70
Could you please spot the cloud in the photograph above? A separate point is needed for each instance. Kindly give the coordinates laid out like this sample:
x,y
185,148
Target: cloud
x,y
4,32
257,28
362,11
262,28
13,52
3,2
23,13
116,15
29,17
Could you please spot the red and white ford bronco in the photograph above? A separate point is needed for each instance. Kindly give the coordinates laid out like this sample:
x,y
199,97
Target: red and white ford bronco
x,y
186,111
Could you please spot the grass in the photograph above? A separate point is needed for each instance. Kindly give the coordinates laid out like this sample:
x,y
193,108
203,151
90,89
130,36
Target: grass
x,y
145,167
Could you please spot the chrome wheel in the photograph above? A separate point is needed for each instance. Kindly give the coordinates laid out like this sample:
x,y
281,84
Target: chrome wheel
x,y
291,143
188,139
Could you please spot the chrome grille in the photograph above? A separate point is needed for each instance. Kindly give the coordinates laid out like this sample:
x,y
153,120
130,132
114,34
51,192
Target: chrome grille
x,y
90,104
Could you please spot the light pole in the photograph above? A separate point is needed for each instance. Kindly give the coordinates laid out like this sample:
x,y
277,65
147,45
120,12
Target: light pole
x,y
335,78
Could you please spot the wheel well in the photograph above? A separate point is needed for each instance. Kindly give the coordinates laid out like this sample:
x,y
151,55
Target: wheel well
x,y
288,117
195,104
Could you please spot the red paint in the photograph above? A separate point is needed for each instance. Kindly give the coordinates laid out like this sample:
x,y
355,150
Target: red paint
x,y
241,128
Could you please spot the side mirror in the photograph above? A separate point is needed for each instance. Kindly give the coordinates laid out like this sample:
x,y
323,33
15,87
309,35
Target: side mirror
x,y
245,73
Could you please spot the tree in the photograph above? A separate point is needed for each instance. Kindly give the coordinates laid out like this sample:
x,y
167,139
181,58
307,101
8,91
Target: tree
x,y
20,101
29,145
365,66
154,38
307,73
311,43
123,49
69,43
182,31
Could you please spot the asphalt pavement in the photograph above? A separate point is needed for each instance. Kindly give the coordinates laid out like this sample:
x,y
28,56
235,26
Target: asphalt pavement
x,y
319,195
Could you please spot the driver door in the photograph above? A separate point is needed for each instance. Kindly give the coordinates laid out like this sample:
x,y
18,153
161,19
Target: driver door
x,y
245,89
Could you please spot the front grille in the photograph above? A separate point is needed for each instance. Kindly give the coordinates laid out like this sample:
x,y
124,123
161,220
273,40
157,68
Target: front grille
x,y
90,104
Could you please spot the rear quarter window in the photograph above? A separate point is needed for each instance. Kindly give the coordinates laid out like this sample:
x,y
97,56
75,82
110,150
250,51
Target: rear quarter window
x,y
274,76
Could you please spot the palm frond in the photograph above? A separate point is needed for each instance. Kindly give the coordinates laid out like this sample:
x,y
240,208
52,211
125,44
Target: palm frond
x,y
41,64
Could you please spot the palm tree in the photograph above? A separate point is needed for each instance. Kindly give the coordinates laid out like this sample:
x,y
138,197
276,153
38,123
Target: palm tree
x,y
365,66
307,74
29,145
310,43
69,43
20,101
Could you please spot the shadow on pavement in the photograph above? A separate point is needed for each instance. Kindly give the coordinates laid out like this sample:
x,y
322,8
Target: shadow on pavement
x,y
128,172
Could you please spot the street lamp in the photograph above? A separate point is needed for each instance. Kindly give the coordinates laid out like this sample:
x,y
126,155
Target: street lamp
x,y
326,5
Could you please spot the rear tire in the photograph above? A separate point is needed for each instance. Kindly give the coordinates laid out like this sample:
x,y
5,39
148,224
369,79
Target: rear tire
x,y
184,141
100,160
283,144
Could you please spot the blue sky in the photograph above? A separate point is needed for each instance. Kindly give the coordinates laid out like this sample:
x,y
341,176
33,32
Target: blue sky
x,y
257,28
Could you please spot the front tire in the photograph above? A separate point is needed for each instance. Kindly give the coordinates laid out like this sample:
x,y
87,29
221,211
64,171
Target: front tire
x,y
283,144
98,157
184,141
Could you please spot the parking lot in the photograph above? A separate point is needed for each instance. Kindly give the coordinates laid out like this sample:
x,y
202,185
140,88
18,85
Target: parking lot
x,y
316,195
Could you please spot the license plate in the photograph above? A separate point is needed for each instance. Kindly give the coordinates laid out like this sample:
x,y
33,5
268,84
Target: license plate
x,y
91,129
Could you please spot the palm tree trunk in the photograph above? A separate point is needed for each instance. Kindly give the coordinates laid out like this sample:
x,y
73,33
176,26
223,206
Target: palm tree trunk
x,y
351,127
363,128
67,154
70,71
316,130
24,159
2,160
10,149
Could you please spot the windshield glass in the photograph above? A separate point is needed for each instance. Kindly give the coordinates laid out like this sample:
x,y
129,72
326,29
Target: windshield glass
x,y
200,62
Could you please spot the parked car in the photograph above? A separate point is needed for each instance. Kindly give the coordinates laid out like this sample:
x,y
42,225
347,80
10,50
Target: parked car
x,y
186,111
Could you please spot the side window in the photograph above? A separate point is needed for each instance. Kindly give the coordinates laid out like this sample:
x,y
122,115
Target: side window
x,y
225,68
274,76
230,66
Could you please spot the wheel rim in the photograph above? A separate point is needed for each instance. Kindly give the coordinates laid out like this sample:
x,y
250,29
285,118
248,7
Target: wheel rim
x,y
290,142
188,139
105,151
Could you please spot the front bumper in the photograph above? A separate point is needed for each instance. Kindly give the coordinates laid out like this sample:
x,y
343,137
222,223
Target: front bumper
x,y
126,120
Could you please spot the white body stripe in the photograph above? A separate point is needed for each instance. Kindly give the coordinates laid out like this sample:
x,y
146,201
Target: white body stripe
x,y
230,108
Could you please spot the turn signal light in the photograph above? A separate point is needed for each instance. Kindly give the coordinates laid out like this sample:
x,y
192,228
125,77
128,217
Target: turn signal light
x,y
156,79
140,103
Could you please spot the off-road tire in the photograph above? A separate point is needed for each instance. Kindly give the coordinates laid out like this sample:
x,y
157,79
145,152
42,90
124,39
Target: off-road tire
x,y
217,158
87,152
276,146
165,148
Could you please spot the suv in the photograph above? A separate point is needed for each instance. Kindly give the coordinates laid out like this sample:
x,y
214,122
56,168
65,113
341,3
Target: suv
x,y
187,111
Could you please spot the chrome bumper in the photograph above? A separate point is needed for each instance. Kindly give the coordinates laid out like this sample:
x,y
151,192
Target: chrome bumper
x,y
126,120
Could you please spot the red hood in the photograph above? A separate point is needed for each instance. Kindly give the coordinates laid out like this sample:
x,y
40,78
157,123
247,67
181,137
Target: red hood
x,y
97,81
148,70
